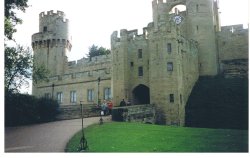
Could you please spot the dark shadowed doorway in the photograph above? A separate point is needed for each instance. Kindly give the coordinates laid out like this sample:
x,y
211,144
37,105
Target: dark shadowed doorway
x,y
141,95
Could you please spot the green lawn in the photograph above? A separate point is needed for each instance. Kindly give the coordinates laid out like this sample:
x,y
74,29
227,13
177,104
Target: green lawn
x,y
137,137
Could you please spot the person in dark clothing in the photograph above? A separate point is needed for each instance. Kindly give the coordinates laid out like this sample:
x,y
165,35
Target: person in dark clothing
x,y
123,103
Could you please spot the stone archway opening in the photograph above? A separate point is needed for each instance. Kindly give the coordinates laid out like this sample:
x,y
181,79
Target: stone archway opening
x,y
141,95
178,8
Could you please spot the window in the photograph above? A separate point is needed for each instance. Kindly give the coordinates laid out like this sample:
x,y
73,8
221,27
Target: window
x,y
47,95
140,71
90,95
157,48
139,53
90,73
59,97
170,66
169,47
131,64
73,96
44,28
197,8
181,98
107,93
171,98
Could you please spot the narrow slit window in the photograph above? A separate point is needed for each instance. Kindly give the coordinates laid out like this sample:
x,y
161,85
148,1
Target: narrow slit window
x,y
140,71
169,47
45,29
181,98
139,53
170,66
131,64
171,98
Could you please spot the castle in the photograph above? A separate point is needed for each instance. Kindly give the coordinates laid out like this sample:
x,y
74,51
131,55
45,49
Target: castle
x,y
160,66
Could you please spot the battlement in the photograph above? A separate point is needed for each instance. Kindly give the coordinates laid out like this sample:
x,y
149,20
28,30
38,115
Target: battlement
x,y
51,13
156,2
89,62
159,1
130,35
233,28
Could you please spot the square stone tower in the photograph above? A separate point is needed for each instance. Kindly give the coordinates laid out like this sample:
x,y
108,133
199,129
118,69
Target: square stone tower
x,y
162,65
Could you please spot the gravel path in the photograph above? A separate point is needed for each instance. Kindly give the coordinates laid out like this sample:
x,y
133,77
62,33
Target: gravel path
x,y
46,137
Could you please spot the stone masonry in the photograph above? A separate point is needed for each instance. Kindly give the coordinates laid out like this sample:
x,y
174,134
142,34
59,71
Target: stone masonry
x,y
159,67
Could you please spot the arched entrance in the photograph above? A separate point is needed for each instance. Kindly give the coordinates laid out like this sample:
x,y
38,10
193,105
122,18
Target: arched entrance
x,y
141,95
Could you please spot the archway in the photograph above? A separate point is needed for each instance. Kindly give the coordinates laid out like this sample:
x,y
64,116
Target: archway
x,y
178,8
141,95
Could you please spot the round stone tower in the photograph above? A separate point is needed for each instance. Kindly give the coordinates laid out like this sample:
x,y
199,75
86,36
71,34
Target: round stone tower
x,y
52,43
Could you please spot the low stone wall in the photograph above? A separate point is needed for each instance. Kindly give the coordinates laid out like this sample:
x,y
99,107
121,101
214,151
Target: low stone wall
x,y
235,68
68,112
135,113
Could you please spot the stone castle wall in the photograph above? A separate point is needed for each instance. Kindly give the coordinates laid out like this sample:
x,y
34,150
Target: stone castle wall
x,y
163,63
233,43
233,51
79,77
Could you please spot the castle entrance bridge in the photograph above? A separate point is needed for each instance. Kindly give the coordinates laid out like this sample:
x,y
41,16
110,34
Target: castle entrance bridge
x,y
135,113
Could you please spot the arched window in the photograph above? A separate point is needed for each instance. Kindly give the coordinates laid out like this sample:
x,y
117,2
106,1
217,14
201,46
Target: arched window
x,y
178,8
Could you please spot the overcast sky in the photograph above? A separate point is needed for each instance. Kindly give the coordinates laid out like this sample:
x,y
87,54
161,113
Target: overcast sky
x,y
93,21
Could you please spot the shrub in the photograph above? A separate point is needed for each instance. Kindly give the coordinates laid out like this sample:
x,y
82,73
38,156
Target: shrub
x,y
22,109
47,109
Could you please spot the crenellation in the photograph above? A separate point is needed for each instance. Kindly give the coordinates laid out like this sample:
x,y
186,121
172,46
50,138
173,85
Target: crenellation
x,y
51,13
123,33
233,28
129,35
86,62
72,63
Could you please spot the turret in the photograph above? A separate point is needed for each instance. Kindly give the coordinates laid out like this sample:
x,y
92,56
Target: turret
x,y
52,43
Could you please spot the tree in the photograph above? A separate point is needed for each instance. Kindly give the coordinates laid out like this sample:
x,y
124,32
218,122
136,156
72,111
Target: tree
x,y
18,64
93,51
18,60
40,73
10,18
96,51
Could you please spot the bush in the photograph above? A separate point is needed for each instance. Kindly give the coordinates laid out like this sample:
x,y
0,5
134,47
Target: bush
x,y
22,109
47,109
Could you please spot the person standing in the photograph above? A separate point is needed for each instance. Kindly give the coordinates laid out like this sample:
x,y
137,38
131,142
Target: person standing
x,y
123,103
110,106
104,107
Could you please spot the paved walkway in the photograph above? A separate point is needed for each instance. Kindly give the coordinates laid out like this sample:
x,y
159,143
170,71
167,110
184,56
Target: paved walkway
x,y
46,137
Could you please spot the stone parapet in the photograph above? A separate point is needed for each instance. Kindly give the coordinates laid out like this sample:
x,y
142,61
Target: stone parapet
x,y
135,113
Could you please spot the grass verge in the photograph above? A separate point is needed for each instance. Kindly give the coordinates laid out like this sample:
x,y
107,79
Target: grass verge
x,y
136,137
